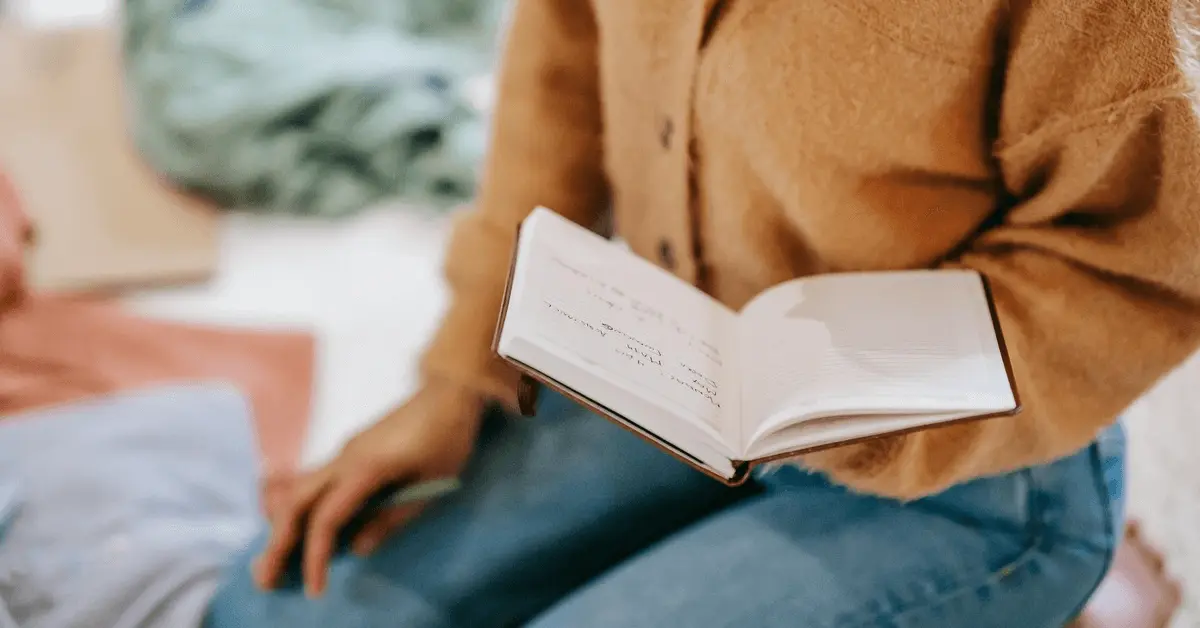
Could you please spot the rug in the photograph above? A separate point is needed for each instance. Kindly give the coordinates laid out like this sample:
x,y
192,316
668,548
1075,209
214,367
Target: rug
x,y
1164,479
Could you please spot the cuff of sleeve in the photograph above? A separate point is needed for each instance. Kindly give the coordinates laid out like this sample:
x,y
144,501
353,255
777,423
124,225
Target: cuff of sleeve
x,y
870,467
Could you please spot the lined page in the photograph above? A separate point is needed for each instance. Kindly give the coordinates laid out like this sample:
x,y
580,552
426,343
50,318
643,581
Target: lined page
x,y
628,321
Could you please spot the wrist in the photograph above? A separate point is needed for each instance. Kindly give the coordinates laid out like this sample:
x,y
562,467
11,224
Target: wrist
x,y
453,398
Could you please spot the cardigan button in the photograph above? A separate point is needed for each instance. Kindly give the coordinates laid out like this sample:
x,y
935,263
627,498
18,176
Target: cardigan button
x,y
666,255
665,133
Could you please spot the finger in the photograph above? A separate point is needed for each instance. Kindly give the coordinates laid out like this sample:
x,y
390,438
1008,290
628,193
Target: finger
x,y
270,562
276,493
329,515
379,529
286,527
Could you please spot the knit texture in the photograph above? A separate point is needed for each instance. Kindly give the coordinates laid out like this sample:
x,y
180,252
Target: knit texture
x,y
1053,145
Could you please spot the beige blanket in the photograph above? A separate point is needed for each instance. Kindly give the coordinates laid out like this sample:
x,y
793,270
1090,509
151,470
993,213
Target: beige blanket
x,y
103,220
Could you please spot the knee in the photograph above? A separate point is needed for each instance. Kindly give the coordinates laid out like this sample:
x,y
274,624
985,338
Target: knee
x,y
1057,583
1086,568
355,598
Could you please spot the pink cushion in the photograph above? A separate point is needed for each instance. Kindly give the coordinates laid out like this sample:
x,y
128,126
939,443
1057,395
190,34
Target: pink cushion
x,y
57,350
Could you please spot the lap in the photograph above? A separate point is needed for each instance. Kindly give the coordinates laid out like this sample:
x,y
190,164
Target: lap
x,y
1020,550
571,514
785,559
547,505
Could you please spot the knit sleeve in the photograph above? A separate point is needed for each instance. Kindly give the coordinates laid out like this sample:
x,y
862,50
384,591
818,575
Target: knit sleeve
x,y
1095,265
545,150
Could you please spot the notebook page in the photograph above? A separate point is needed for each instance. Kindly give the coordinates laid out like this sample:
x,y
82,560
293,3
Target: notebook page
x,y
863,343
628,321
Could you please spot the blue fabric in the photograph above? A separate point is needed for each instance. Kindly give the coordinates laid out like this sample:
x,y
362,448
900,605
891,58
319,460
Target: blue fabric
x,y
130,506
570,522
10,503
311,106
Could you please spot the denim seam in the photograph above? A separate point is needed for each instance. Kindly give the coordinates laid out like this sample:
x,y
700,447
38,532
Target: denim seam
x,y
1100,483
1026,557
1034,529
991,579
1035,507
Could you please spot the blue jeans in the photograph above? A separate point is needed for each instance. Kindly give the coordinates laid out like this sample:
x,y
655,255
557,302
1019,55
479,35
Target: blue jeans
x,y
567,521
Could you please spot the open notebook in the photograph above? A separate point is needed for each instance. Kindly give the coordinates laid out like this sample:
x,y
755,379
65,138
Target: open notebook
x,y
811,363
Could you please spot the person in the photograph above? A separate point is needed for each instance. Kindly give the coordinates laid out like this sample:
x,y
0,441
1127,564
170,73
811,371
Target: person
x,y
1052,145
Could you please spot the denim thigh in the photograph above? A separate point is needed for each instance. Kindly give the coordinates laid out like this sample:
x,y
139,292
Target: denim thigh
x,y
547,505
1024,549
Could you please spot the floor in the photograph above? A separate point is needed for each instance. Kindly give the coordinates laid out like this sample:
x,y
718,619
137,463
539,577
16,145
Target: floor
x,y
370,289
1164,478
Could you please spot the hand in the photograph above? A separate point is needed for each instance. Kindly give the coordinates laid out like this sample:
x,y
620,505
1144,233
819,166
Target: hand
x,y
275,493
16,234
429,437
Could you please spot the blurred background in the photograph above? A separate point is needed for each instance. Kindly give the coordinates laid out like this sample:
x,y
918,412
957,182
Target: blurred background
x,y
272,166
259,191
